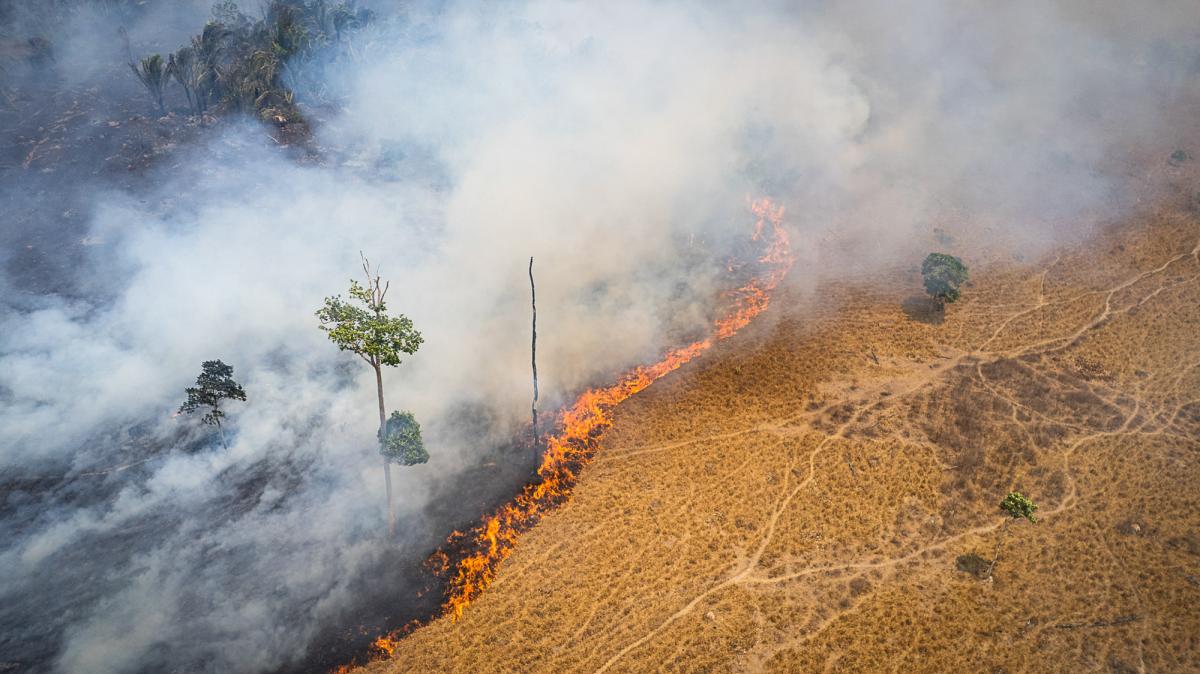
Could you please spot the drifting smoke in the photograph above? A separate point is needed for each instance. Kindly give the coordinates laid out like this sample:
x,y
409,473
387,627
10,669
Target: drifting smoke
x,y
618,144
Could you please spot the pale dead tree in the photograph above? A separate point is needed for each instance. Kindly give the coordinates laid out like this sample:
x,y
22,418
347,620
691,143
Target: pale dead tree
x,y
533,349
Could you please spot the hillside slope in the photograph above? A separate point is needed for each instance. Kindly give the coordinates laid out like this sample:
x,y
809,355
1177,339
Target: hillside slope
x,y
797,500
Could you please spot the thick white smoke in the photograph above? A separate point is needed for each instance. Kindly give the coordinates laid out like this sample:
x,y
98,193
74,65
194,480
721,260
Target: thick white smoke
x,y
615,143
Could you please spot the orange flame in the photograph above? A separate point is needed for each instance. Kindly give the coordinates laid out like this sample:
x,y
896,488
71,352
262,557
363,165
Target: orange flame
x,y
385,645
568,451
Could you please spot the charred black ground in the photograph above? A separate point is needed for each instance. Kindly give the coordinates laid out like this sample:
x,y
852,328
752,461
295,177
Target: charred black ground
x,y
403,589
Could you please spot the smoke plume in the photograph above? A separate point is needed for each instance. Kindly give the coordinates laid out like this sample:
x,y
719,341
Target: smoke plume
x,y
618,144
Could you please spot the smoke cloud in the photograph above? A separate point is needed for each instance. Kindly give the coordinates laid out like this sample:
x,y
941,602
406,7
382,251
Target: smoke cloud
x,y
616,143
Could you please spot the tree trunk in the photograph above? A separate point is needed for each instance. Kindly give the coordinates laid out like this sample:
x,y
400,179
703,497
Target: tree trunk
x,y
533,358
221,431
999,544
387,464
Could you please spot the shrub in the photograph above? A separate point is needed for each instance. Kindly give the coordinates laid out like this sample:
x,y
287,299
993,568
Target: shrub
x,y
943,274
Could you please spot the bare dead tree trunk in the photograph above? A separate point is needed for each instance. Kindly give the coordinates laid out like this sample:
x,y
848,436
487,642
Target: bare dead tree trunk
x,y
387,464
533,359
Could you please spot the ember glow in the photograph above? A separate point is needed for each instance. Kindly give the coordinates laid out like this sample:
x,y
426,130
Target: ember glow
x,y
480,551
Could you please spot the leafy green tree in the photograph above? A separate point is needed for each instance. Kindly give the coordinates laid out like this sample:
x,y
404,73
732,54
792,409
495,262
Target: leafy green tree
x,y
152,73
363,326
1015,506
401,441
943,274
214,385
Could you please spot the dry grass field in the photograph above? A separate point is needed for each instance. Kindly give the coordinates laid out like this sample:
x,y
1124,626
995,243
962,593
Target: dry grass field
x,y
802,498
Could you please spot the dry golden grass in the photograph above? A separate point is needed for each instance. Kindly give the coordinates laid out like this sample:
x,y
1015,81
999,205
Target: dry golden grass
x,y
791,503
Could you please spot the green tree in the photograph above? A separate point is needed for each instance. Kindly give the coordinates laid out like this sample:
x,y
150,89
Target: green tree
x,y
214,385
363,326
152,73
401,441
1015,506
943,274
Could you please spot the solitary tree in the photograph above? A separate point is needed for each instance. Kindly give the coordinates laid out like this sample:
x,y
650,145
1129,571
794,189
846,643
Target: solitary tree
x,y
943,275
1015,506
363,326
152,73
214,385
400,440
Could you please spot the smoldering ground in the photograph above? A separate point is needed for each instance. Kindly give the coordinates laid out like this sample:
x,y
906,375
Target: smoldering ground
x,y
618,145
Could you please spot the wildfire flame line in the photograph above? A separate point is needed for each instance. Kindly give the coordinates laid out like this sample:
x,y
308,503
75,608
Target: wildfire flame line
x,y
568,451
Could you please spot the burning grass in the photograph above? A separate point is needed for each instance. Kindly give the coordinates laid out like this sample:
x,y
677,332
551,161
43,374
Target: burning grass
x,y
779,535
582,424
470,560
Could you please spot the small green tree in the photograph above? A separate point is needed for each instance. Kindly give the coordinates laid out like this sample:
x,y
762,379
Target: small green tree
x,y
943,274
152,73
214,385
401,441
363,327
1015,506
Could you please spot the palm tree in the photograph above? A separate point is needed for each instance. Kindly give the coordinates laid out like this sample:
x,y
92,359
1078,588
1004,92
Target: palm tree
x,y
152,73
182,66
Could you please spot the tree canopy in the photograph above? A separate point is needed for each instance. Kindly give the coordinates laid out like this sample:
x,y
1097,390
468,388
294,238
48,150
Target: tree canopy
x,y
214,384
1016,506
401,440
367,330
943,274
153,73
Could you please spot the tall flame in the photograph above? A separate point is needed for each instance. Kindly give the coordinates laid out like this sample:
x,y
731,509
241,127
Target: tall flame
x,y
582,424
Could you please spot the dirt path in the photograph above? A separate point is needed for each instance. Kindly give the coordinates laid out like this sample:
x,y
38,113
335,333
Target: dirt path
x,y
911,382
